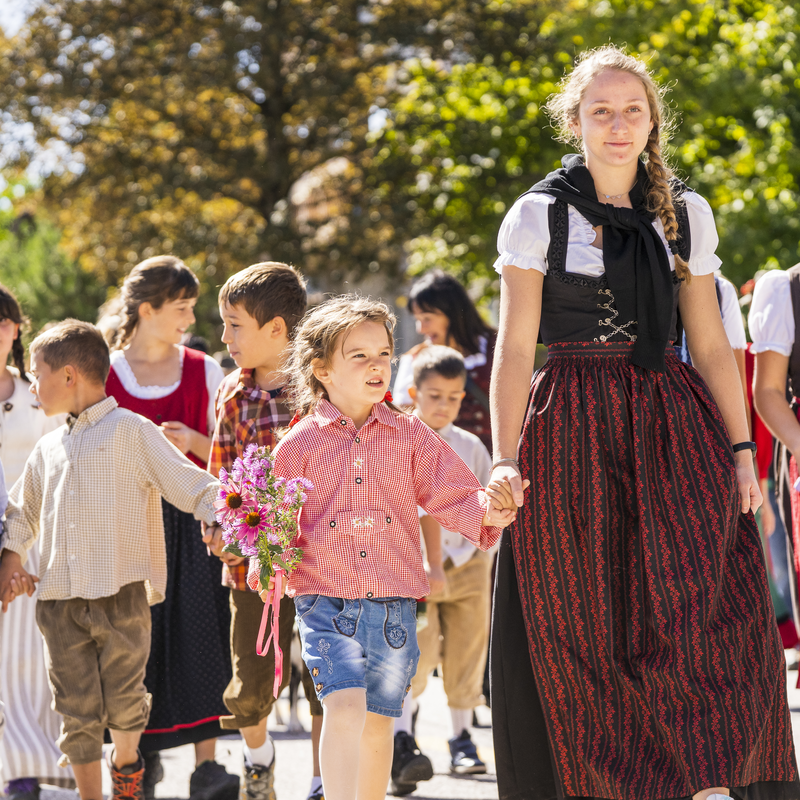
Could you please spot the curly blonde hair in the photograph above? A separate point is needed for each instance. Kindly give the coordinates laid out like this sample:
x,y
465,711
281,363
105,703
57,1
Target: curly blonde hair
x,y
318,335
564,107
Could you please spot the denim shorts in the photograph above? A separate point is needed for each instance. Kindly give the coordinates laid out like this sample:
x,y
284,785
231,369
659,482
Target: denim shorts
x,y
360,644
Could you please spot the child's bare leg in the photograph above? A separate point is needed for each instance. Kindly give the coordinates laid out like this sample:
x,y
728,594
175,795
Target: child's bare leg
x,y
316,734
340,744
126,748
205,751
89,778
377,749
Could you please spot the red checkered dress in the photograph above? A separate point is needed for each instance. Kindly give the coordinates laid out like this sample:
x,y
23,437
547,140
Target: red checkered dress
x,y
246,414
359,528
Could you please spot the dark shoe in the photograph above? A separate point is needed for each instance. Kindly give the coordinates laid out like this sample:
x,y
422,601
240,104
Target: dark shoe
x,y
23,789
210,781
126,783
464,756
402,789
409,764
259,782
316,796
153,774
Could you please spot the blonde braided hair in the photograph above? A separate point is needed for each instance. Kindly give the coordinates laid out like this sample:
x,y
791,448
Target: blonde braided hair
x,y
564,108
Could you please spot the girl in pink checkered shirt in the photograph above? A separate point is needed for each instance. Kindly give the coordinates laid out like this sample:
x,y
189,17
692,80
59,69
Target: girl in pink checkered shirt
x,y
371,466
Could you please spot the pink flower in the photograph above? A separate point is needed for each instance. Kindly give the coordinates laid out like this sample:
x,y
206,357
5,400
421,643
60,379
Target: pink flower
x,y
251,522
231,499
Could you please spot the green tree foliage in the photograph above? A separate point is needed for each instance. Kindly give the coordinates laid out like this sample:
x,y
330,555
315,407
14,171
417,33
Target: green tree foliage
x,y
185,125
477,136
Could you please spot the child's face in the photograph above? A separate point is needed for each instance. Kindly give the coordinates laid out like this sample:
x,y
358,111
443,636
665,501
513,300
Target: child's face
x,y
49,386
250,345
438,399
170,322
359,373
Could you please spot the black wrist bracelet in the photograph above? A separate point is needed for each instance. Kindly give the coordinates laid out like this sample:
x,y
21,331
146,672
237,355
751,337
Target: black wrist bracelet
x,y
745,446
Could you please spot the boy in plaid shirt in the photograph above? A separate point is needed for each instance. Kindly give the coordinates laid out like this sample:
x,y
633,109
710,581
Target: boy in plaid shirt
x,y
260,307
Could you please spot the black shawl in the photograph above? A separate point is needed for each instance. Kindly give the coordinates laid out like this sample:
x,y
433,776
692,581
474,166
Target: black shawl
x,y
636,263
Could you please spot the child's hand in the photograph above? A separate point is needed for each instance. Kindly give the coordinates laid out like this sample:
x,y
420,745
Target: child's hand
x,y
179,434
501,494
14,580
263,594
498,519
436,578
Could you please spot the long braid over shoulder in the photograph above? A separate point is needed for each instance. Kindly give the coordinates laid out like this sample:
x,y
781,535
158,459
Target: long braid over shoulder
x,y
564,109
660,199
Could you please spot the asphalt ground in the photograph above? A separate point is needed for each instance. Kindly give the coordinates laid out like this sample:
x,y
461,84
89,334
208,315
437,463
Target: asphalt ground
x,y
293,752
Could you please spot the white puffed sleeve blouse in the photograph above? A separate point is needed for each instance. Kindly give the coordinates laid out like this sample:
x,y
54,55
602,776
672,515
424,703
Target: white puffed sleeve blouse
x,y
525,237
771,320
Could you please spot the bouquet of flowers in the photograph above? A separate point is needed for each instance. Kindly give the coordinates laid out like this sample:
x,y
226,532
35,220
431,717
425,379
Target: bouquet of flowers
x,y
258,514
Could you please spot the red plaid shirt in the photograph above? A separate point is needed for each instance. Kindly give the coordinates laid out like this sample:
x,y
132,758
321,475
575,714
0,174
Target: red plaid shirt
x,y
246,414
359,528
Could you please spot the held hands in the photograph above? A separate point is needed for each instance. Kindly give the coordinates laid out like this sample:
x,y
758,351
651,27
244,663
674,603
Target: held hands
x,y
748,485
263,594
506,491
14,580
212,537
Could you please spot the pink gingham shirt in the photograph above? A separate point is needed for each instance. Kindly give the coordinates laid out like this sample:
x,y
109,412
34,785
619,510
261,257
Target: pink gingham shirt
x,y
359,528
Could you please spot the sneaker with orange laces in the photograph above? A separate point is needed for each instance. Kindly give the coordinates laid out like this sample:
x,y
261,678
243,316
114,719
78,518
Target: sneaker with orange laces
x,y
127,782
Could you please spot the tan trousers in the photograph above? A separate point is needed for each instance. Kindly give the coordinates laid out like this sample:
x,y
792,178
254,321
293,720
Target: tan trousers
x,y
96,657
454,633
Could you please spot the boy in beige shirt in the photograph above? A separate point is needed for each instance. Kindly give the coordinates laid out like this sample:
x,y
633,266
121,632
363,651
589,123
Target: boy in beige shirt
x,y
91,495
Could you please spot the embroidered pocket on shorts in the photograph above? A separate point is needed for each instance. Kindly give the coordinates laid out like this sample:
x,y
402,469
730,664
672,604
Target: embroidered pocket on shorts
x,y
346,621
393,629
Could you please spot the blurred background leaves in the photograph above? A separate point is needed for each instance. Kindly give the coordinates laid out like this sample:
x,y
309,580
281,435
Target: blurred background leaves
x,y
361,140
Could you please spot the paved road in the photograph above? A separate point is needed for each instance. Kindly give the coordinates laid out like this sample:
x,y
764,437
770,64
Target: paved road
x,y
293,770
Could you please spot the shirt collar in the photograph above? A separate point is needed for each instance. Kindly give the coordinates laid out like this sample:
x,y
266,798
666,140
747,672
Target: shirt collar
x,y
247,386
92,415
326,413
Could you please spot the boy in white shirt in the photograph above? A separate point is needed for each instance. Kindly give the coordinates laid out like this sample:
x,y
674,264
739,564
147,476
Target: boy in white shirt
x,y
456,632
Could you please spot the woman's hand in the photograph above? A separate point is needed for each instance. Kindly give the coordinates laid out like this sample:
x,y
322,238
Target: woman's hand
x,y
506,488
748,485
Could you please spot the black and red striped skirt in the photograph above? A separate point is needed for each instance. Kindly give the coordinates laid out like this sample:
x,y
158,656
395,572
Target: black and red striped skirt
x,y
635,653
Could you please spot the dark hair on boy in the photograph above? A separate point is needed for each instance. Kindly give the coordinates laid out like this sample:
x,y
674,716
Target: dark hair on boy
x,y
440,360
268,290
75,343
156,280
10,309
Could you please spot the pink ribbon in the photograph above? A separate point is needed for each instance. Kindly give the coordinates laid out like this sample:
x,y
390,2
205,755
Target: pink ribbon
x,y
272,603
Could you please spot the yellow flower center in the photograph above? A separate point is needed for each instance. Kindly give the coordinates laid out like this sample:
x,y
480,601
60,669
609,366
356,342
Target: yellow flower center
x,y
233,500
252,519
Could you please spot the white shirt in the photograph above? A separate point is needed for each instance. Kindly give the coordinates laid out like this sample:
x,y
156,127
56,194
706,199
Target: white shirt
x,y
214,377
90,496
731,313
771,319
474,454
22,424
525,236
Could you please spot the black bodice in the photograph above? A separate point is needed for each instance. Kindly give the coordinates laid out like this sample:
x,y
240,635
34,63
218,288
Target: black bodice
x,y
579,308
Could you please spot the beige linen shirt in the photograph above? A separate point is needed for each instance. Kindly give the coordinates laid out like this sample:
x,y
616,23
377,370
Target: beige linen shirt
x,y
91,494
